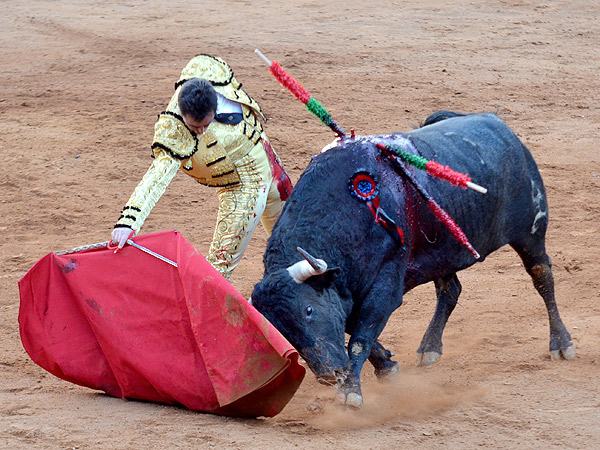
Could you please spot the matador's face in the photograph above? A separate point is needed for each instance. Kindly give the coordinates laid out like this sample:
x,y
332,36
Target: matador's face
x,y
199,127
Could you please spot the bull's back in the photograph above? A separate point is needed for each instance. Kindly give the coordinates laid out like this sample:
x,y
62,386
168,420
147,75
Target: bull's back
x,y
485,148
322,217
480,143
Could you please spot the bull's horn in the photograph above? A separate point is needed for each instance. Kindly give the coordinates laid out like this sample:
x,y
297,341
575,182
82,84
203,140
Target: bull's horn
x,y
302,270
318,264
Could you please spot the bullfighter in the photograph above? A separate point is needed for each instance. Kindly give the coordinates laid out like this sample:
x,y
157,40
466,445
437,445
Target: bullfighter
x,y
212,130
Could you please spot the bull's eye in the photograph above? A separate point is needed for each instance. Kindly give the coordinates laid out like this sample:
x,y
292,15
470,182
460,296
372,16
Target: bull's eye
x,y
309,311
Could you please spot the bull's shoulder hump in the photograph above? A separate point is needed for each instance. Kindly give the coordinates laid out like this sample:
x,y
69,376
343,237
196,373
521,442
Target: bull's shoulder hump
x,y
472,124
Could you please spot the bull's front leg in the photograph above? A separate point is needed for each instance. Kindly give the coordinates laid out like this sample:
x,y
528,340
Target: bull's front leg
x,y
350,393
381,359
373,317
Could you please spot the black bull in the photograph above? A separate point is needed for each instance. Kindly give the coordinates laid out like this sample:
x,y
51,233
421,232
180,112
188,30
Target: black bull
x,y
368,267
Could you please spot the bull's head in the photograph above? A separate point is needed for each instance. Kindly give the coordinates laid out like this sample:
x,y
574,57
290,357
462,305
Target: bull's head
x,y
302,303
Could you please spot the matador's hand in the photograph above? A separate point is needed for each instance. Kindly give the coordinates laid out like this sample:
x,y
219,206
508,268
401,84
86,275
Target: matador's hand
x,y
120,235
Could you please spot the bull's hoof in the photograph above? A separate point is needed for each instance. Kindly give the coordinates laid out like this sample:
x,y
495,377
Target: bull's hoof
x,y
428,358
388,373
564,353
354,400
350,399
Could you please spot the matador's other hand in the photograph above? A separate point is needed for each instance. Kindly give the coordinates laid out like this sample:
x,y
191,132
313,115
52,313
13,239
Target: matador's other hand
x,y
120,235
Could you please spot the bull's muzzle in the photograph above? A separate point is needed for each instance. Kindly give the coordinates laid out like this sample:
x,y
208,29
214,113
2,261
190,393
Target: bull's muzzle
x,y
327,361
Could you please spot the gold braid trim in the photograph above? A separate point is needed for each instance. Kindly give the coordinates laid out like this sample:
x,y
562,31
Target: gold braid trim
x,y
237,206
149,190
219,149
172,135
211,165
252,127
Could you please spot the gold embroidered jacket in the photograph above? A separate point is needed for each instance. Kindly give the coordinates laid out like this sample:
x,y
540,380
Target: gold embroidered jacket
x,y
210,157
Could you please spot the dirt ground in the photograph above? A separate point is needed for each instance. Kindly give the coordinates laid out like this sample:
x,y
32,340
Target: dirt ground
x,y
81,85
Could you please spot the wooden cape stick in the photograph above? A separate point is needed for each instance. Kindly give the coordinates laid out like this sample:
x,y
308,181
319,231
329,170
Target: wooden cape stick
x,y
105,245
83,248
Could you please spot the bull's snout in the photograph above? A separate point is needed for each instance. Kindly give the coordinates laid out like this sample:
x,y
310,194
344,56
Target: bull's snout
x,y
328,362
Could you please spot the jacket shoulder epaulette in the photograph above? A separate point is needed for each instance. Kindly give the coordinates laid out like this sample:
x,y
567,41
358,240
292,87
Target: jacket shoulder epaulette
x,y
172,135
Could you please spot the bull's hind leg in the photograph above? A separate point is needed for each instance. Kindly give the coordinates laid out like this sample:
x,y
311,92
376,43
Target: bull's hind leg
x,y
539,267
381,359
448,289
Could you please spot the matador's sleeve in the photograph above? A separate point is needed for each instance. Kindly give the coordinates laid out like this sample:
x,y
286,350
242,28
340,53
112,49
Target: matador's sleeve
x,y
149,190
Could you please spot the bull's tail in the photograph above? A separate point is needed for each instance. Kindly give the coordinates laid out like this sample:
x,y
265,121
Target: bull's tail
x,y
438,116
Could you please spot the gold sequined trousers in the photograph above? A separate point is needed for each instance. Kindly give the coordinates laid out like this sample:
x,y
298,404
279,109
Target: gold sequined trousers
x,y
241,207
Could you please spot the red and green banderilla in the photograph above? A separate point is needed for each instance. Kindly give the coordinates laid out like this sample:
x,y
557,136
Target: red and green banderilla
x,y
434,206
432,168
301,94
394,153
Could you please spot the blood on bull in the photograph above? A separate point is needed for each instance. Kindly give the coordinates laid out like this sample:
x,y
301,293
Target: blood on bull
x,y
368,234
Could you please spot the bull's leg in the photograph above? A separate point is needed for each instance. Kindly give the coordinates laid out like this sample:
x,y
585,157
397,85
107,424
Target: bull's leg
x,y
359,349
374,313
448,289
350,393
381,359
540,270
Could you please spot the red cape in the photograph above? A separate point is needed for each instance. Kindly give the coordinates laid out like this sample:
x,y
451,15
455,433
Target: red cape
x,y
137,327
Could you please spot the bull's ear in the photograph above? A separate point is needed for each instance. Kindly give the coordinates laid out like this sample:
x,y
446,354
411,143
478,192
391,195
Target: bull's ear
x,y
325,280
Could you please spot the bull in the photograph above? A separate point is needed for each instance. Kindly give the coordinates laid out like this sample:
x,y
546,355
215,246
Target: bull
x,y
332,267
